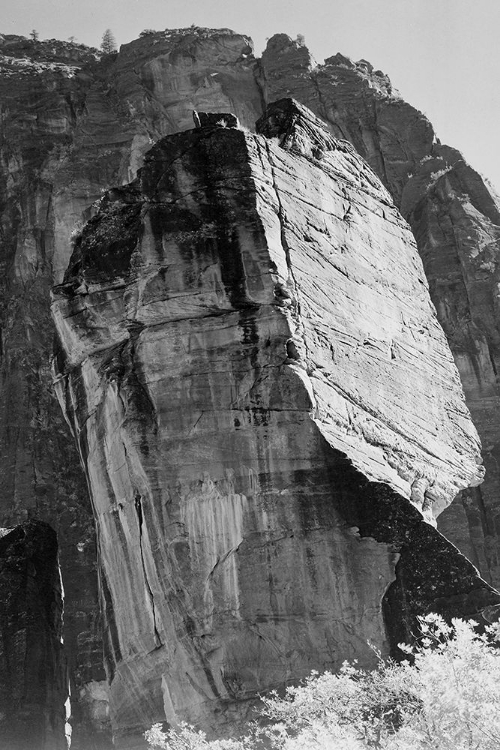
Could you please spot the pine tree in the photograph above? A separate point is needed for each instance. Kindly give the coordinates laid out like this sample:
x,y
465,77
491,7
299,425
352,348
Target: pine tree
x,y
108,43
34,35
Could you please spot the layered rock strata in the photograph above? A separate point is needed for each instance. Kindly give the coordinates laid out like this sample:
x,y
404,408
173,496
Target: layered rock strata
x,y
260,392
33,684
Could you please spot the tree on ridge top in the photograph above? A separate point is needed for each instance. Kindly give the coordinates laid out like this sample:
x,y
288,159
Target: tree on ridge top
x,y
108,43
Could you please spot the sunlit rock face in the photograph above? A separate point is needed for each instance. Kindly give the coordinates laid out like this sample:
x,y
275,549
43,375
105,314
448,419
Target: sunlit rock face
x,y
455,217
33,684
266,408
163,76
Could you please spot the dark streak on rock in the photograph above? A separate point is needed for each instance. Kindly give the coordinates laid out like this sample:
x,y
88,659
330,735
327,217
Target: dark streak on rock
x,y
138,510
111,641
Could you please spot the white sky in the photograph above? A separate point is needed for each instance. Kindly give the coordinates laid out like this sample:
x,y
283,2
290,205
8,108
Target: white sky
x,y
442,55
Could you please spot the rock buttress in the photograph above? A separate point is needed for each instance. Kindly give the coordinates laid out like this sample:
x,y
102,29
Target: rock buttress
x,y
265,406
454,215
33,680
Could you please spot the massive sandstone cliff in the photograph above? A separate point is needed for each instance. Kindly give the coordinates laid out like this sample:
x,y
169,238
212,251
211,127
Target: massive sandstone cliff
x,y
260,391
455,218
73,126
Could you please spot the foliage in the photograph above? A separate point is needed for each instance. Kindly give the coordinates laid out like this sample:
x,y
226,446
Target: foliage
x,y
108,43
436,175
446,696
76,232
187,738
35,36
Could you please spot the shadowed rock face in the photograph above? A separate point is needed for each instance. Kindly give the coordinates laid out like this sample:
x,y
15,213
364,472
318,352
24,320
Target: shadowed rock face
x,y
33,684
265,406
42,192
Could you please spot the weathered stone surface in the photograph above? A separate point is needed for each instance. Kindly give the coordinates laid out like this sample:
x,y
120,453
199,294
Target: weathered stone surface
x,y
166,75
73,126
457,226
42,94
254,401
33,685
455,219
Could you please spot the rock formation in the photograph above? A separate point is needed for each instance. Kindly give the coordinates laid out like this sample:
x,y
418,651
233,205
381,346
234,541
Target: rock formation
x,y
33,686
239,328
73,126
41,93
455,218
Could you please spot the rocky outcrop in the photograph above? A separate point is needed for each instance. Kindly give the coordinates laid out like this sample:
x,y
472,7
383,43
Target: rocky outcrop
x,y
74,125
239,328
360,105
454,216
33,685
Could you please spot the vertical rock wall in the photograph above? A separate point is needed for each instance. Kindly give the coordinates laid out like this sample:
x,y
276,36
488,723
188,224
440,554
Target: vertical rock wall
x,y
252,492
40,473
73,126
454,216
33,686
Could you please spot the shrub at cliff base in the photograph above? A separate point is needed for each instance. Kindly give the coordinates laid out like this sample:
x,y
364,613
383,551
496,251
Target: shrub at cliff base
x,y
445,697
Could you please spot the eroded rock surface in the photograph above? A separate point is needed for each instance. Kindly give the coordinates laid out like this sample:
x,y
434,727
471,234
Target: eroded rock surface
x,y
73,126
454,216
33,685
266,407
42,94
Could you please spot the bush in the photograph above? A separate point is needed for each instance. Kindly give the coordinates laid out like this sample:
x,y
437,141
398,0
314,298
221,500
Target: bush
x,y
445,696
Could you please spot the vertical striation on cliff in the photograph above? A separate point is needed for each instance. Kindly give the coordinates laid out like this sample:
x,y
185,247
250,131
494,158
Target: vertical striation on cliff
x,y
454,216
73,126
266,407
42,95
